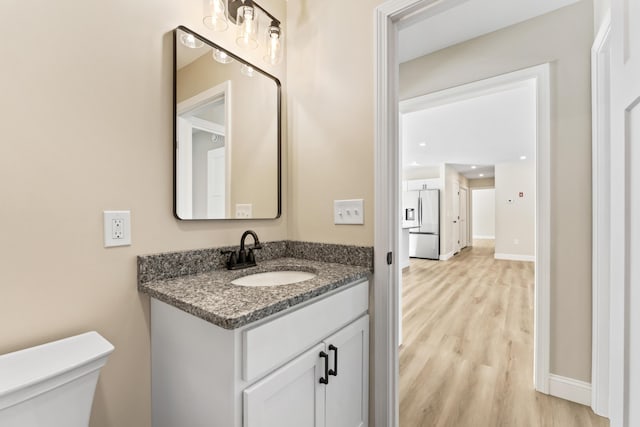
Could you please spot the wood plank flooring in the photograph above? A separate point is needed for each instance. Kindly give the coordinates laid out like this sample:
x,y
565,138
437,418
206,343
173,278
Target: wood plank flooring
x,y
467,353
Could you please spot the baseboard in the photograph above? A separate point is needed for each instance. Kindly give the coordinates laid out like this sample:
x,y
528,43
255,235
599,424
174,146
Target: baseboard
x,y
570,389
485,237
515,257
444,257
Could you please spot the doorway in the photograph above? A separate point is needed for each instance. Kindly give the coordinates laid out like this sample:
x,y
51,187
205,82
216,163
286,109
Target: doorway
x,y
457,311
387,198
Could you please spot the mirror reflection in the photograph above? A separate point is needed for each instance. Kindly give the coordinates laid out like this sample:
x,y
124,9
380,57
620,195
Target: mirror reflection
x,y
227,134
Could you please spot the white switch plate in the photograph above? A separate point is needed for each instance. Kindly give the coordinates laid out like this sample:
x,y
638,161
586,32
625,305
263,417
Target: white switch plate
x,y
117,228
348,211
244,210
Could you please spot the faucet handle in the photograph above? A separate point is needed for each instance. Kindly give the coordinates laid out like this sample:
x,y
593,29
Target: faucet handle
x,y
231,262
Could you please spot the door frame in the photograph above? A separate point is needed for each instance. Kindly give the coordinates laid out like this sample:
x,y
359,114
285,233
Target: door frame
x,y
601,188
387,176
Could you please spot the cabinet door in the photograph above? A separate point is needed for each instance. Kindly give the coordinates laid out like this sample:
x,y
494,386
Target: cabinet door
x,y
348,391
292,396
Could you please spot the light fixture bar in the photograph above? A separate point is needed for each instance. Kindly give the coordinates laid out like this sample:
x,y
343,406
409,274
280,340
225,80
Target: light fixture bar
x,y
233,6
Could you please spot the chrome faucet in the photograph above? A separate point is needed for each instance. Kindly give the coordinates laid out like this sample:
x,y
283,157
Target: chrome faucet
x,y
245,257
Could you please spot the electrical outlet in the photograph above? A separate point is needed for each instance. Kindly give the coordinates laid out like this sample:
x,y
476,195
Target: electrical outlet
x,y
117,228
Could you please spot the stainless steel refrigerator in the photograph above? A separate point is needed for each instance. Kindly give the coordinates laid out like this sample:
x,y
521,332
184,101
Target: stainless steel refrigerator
x,y
421,210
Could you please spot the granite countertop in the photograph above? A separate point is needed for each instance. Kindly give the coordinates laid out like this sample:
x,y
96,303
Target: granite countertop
x,y
210,295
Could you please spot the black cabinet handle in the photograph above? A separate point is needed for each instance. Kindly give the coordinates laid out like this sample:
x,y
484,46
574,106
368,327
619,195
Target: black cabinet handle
x,y
334,372
325,380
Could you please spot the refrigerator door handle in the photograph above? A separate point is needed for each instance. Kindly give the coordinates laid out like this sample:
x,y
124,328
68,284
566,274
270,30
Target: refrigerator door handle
x,y
419,211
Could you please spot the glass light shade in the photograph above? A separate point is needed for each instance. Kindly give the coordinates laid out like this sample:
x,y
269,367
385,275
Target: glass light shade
x,y
247,70
190,41
215,17
274,45
247,21
222,57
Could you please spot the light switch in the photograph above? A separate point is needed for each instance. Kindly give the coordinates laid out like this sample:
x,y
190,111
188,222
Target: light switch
x,y
348,211
244,210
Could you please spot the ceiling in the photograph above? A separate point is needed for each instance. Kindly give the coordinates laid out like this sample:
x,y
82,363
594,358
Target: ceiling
x,y
426,34
480,131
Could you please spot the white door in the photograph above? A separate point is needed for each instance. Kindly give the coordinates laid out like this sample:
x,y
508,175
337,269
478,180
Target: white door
x,y
292,396
216,183
464,224
456,217
625,213
348,389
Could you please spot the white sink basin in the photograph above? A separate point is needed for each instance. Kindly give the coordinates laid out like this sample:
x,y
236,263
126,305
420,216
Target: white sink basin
x,y
273,278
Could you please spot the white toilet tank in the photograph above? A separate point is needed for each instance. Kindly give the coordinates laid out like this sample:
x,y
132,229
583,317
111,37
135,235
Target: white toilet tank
x,y
52,385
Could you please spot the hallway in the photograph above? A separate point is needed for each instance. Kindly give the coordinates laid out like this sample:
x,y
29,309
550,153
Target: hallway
x,y
467,353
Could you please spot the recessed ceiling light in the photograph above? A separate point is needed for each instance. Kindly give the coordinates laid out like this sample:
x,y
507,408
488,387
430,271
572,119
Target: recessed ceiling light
x,y
423,144
473,167
481,175
415,164
523,157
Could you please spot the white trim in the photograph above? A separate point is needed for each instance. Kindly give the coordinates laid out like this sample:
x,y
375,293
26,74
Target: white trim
x,y
570,389
485,237
601,211
386,227
444,257
463,92
515,257
387,216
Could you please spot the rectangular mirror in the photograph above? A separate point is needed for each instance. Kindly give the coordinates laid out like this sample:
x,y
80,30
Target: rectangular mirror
x,y
227,134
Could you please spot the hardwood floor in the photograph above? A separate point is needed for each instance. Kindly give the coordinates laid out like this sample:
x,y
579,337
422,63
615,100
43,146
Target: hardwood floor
x,y
467,353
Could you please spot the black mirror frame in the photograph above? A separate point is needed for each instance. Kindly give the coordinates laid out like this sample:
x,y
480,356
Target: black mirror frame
x,y
175,126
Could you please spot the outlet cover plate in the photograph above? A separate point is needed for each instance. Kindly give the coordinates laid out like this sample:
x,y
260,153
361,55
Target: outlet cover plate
x,y
348,211
117,228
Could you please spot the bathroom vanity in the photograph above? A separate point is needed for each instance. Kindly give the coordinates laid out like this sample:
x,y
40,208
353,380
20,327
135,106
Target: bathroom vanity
x,y
261,356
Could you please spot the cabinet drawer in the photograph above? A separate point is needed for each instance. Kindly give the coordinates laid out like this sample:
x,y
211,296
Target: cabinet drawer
x,y
269,345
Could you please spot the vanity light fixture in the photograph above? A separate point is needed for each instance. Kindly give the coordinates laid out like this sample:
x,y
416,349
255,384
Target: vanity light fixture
x,y
215,17
246,14
221,56
247,21
246,70
274,37
190,41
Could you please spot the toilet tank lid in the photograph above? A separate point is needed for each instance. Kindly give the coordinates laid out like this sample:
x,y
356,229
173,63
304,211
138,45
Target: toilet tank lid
x,y
32,365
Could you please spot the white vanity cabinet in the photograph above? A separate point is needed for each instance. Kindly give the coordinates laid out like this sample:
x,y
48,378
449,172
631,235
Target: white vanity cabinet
x,y
295,396
268,372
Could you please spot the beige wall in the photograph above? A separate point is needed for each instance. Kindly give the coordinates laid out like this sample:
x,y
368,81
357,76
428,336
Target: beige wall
x,y
425,172
516,220
330,102
482,182
564,39
87,125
